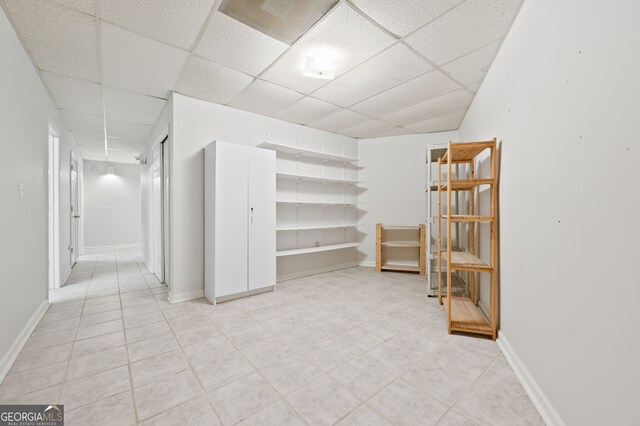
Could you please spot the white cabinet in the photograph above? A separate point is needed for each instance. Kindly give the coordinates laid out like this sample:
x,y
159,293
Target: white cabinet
x,y
240,220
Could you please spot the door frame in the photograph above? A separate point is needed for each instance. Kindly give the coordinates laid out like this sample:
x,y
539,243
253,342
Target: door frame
x,y
53,181
74,214
163,145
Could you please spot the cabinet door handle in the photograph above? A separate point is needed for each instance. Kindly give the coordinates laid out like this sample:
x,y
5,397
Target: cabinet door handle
x,y
251,214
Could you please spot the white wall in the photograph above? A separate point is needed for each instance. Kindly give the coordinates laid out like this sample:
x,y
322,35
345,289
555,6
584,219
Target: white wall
x,y
194,124
394,178
562,97
111,205
26,110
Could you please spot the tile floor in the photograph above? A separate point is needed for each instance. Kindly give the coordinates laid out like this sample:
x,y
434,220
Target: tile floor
x,y
350,347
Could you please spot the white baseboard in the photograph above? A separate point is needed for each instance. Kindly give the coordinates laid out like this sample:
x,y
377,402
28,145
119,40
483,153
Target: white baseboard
x,y
367,263
102,249
537,396
308,272
146,264
8,359
183,297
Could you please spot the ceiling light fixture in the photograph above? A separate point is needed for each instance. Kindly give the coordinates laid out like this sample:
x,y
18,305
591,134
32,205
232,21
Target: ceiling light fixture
x,y
322,64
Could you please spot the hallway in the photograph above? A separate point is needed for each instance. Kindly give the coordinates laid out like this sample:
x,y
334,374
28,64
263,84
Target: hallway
x,y
350,346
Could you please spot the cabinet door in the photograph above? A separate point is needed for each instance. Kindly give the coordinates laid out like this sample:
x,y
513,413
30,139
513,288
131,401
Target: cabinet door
x,y
231,208
262,218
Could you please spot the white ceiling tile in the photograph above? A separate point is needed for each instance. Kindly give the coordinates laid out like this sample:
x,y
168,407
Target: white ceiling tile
x,y
474,87
396,131
431,108
125,157
346,34
93,153
469,26
306,110
84,123
73,94
369,129
139,64
472,67
125,145
128,106
213,82
421,88
84,6
265,98
128,130
239,46
88,140
60,39
340,120
403,16
448,121
389,68
175,22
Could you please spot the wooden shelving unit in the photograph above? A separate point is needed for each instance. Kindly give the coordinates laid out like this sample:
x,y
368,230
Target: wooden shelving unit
x,y
463,312
400,248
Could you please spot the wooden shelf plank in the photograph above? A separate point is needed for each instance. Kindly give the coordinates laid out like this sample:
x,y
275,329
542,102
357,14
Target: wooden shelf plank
x,y
306,250
307,152
400,267
317,178
465,261
468,218
306,228
466,316
401,243
466,151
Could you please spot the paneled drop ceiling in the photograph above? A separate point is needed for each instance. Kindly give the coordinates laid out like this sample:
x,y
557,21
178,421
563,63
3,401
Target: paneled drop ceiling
x,y
403,66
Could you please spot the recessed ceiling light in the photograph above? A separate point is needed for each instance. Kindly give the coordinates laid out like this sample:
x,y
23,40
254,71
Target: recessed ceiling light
x,y
321,64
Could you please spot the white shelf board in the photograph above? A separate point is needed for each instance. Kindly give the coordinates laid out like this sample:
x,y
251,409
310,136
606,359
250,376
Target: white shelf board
x,y
318,203
294,252
307,152
317,178
305,228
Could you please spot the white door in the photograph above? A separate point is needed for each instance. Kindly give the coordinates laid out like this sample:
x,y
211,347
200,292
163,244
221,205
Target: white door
x,y
231,186
262,218
75,214
157,194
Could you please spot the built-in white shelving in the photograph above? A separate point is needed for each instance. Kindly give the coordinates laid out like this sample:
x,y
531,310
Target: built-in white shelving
x,y
317,203
308,228
317,187
303,152
317,178
307,250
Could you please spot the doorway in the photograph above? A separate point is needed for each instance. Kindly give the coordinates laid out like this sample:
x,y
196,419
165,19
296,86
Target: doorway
x,y
75,213
53,175
159,191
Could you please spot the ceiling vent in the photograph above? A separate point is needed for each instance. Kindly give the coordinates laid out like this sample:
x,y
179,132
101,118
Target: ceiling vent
x,y
284,20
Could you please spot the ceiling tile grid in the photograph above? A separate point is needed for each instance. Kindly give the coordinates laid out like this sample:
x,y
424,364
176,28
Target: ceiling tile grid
x,y
389,68
174,22
210,81
121,58
344,33
73,94
469,26
139,64
265,98
234,44
404,16
60,39
421,88
306,110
